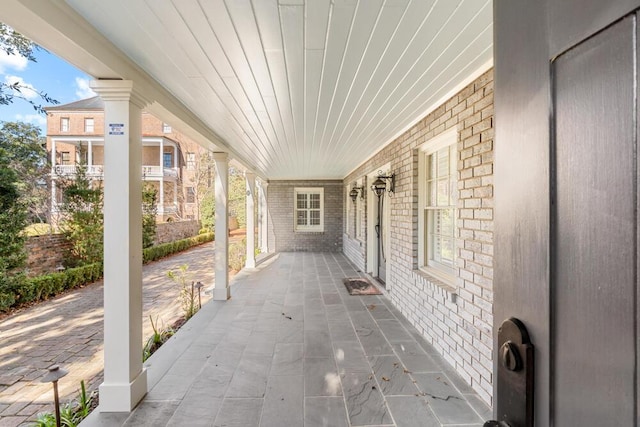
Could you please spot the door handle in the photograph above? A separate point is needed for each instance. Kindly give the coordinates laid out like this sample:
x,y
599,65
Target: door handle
x,y
514,402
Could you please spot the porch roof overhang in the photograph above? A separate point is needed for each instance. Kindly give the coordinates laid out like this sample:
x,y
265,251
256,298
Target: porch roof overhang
x,y
291,89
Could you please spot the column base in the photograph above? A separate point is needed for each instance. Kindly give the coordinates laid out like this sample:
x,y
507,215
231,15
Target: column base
x,y
221,294
123,397
250,263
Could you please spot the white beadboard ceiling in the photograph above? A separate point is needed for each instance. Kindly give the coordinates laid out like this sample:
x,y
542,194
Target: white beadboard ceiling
x,y
302,88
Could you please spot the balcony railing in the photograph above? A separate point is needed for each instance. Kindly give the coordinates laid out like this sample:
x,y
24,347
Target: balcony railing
x,y
167,209
69,170
98,171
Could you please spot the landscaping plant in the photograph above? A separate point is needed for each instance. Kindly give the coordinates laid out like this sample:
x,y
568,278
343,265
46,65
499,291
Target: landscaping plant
x,y
188,296
159,337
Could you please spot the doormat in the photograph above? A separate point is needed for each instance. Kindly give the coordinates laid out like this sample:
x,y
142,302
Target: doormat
x,y
360,286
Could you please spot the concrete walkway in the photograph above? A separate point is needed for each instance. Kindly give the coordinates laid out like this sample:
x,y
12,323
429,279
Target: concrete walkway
x,y
68,331
292,348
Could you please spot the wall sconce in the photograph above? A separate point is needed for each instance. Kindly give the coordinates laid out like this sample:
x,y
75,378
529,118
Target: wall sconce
x,y
354,193
380,184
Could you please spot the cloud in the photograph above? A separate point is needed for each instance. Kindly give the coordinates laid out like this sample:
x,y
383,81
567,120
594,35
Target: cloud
x,y
12,62
83,90
36,119
26,89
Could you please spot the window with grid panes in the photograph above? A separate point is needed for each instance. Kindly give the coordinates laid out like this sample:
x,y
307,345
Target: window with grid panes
x,y
88,125
309,209
438,196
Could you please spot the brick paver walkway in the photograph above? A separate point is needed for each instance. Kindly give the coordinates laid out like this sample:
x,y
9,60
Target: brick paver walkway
x,y
68,331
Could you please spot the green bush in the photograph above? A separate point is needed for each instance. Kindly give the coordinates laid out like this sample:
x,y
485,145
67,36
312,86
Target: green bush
x,y
160,251
21,290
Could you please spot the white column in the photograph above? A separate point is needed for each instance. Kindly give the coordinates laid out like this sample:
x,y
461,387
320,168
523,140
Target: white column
x,y
162,156
161,196
251,221
175,157
125,380
90,156
221,292
53,178
265,218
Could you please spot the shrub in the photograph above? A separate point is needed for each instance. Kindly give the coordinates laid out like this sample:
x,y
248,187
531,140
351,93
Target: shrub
x,y
160,251
237,255
17,289
187,295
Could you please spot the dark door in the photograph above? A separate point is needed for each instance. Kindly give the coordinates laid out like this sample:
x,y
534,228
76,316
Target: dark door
x,y
381,230
566,201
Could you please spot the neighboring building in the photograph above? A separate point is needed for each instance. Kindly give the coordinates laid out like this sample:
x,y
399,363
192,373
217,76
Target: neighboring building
x,y
75,133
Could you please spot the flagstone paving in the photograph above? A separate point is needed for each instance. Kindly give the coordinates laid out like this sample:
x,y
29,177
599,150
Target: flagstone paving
x,y
68,331
292,348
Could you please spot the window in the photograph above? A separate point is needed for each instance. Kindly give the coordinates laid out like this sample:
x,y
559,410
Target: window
x,y
167,160
64,124
166,128
65,158
191,195
309,209
191,161
88,125
438,196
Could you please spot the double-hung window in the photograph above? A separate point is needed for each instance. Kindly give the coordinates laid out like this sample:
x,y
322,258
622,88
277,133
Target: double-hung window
x,y
64,124
191,161
309,209
88,125
438,197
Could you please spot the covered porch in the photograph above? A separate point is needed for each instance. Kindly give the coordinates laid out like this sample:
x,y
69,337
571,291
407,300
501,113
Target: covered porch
x,y
292,348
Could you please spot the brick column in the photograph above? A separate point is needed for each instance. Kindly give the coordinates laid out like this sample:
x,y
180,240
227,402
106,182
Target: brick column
x,y
221,292
251,222
125,380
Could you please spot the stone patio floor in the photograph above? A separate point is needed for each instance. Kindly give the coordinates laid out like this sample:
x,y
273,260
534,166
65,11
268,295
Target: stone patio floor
x,y
68,330
292,348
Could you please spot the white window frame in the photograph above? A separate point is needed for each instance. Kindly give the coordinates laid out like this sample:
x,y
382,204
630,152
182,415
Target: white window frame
x,y
426,262
89,125
190,191
191,161
307,228
64,124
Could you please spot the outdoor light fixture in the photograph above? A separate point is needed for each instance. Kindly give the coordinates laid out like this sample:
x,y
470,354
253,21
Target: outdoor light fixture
x,y
354,193
380,184
199,286
54,374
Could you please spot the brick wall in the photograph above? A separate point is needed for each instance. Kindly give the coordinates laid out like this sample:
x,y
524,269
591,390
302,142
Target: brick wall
x,y
455,317
283,237
45,253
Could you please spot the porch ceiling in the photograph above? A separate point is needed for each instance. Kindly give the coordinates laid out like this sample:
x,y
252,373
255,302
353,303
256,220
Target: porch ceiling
x,y
301,88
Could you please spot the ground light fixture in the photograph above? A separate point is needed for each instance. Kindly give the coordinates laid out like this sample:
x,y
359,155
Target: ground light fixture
x,y
54,374
354,193
379,186
199,286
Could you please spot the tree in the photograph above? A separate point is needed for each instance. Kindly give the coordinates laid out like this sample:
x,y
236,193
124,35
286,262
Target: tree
x,y
84,222
149,213
13,220
14,43
25,153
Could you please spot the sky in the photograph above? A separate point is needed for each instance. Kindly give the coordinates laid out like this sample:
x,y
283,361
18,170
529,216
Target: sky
x,y
49,74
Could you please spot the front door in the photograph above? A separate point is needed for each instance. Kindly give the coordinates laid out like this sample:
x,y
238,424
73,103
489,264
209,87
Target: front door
x,y
566,217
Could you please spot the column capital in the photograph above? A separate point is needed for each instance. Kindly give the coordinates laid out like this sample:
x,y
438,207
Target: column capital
x,y
220,156
118,90
249,175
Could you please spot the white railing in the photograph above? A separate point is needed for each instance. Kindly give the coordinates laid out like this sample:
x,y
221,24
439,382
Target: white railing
x,y
66,170
98,171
